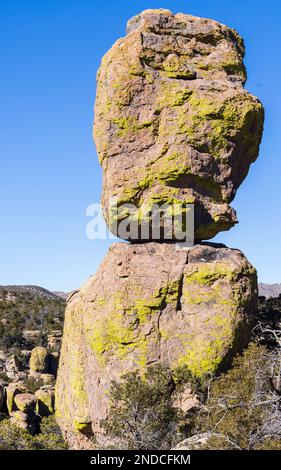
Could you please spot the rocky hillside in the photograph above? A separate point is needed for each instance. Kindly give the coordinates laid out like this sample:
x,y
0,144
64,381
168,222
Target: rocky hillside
x,y
17,292
31,322
269,290
61,294
28,315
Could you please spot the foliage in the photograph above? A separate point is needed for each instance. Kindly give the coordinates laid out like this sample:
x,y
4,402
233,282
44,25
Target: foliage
x,y
14,438
26,312
33,384
242,410
142,415
267,321
50,436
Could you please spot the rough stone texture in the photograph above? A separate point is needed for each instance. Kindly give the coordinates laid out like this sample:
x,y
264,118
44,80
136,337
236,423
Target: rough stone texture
x,y
12,390
45,402
2,394
150,303
195,442
47,379
32,336
25,402
26,421
39,360
186,399
11,367
173,123
54,340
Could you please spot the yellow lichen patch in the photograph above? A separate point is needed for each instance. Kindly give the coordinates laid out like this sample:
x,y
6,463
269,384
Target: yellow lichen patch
x,y
122,329
203,353
75,402
207,273
211,291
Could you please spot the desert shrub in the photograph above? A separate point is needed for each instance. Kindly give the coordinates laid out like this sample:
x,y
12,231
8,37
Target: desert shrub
x,y
50,436
142,415
14,438
5,378
27,312
33,384
267,321
242,411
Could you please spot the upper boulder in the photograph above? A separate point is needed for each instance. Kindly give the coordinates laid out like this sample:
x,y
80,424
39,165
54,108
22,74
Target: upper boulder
x,y
173,123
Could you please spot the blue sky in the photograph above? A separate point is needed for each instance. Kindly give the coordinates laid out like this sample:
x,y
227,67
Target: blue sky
x,y
50,51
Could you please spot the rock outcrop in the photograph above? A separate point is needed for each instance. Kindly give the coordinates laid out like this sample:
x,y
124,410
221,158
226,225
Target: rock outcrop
x,y
195,442
2,394
173,123
12,390
150,303
39,360
45,401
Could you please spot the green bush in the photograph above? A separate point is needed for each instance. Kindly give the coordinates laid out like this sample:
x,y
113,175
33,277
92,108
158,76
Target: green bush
x,y
14,438
142,415
242,411
50,436
33,384
28,313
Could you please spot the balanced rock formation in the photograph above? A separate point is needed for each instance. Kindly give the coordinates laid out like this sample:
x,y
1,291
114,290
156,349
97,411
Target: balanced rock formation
x,y
174,126
150,303
173,123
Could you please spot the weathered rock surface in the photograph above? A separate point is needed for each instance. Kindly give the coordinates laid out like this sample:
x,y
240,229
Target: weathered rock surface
x,y
25,402
2,394
47,379
173,123
12,391
150,303
27,421
186,399
11,367
45,401
195,442
32,336
39,360
54,340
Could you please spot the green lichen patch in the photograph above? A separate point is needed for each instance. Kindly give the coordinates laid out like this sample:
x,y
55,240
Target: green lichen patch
x,y
122,330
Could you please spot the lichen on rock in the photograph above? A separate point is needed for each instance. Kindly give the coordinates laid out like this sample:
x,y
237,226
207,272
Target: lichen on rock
x,y
39,360
173,126
149,304
173,121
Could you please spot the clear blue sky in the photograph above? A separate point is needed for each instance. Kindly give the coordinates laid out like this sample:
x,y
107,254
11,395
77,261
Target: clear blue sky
x,y
50,52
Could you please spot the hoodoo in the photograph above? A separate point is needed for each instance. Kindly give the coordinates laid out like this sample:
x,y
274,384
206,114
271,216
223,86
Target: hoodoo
x,y
173,126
